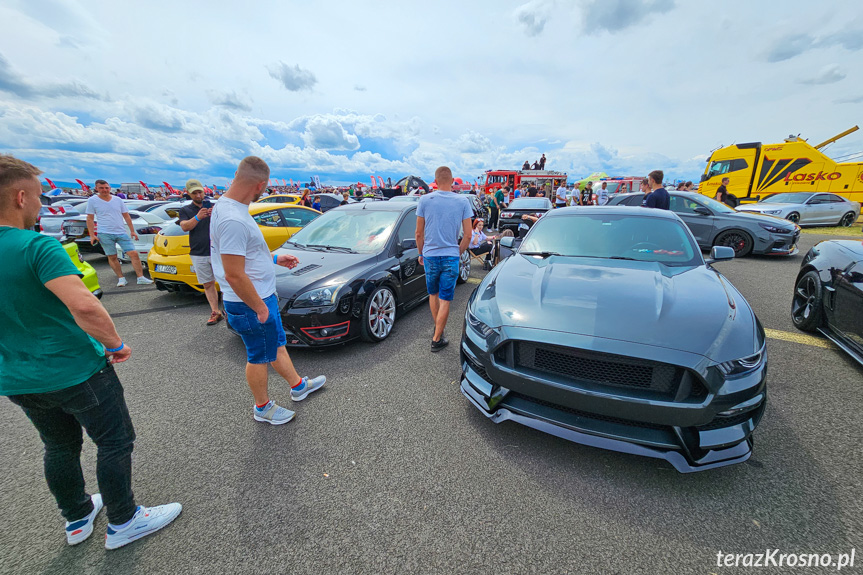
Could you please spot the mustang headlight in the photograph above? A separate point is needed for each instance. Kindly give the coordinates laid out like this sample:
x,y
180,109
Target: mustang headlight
x,y
478,325
743,365
317,297
776,229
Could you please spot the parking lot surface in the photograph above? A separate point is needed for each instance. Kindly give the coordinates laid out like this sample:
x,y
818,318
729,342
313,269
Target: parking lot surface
x,y
390,470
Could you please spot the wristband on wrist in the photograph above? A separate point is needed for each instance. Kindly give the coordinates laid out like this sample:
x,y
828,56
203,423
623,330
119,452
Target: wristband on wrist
x,y
196,218
275,259
116,349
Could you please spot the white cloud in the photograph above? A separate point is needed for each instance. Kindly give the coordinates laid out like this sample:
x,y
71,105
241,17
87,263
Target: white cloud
x,y
328,134
293,78
829,74
533,15
230,100
617,15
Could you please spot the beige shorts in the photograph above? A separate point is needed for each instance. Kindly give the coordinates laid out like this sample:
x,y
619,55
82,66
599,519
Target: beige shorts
x,y
203,269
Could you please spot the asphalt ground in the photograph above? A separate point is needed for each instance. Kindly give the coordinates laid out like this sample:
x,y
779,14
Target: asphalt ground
x,y
388,469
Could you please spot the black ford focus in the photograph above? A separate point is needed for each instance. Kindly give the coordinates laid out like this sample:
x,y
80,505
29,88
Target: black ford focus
x,y
359,270
608,328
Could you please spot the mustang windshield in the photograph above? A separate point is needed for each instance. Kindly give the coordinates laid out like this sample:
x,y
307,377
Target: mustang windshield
x,y
363,231
625,236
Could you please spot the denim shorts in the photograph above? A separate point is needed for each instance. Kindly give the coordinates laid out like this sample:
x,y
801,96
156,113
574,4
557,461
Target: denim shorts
x,y
109,243
262,340
441,275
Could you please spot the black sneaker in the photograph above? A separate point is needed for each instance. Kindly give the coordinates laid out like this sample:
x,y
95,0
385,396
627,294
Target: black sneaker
x,y
439,344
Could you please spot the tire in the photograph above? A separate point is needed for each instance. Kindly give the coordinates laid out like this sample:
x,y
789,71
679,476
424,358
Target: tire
x,y
463,268
793,217
848,219
807,305
379,315
739,240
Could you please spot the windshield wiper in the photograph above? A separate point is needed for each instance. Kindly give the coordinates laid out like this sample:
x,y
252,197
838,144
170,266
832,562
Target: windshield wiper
x,y
624,258
540,254
334,248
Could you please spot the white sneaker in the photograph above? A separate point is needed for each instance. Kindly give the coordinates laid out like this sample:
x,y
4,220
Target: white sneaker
x,y
142,281
272,413
146,521
78,531
121,282
307,386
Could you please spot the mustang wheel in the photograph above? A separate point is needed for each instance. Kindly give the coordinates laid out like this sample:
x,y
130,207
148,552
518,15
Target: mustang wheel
x,y
737,240
463,267
380,315
806,306
793,217
848,219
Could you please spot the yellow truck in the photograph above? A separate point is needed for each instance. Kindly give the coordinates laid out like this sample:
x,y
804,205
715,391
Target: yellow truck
x,y
755,171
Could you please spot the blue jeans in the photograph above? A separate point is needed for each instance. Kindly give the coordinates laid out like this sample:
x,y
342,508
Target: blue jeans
x,y
97,406
262,340
441,276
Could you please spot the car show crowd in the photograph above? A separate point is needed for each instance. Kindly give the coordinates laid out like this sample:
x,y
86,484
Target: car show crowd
x,y
644,380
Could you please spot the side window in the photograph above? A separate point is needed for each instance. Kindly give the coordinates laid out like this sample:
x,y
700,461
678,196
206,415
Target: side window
x,y
269,219
833,199
725,166
634,201
297,218
818,200
408,228
682,205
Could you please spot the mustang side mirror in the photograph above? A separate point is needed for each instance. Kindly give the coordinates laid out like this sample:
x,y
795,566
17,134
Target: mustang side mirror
x,y
702,211
720,254
507,242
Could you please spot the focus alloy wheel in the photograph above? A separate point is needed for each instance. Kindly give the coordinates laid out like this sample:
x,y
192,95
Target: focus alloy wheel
x,y
848,219
739,241
793,217
380,315
806,305
464,267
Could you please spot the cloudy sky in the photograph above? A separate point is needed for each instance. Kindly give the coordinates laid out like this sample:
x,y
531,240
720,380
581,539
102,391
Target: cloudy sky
x,y
164,90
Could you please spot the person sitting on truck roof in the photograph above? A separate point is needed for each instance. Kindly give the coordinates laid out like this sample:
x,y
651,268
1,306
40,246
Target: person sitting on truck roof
x,y
526,165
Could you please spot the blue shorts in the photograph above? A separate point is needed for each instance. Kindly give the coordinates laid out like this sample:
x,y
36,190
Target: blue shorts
x,y
109,243
441,275
262,340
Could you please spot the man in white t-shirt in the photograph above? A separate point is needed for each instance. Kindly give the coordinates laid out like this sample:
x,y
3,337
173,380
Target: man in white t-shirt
x,y
560,202
602,195
114,228
245,270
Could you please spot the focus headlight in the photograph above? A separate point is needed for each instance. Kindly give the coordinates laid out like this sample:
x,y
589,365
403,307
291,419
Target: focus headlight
x,y
317,297
741,366
478,325
775,229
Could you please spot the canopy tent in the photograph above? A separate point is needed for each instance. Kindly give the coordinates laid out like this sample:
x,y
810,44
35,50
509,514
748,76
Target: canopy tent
x,y
408,182
594,177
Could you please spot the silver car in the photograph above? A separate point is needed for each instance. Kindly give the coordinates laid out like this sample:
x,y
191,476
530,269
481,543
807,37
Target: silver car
x,y
807,208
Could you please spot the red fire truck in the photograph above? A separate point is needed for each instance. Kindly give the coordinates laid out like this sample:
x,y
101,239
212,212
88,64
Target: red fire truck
x,y
540,179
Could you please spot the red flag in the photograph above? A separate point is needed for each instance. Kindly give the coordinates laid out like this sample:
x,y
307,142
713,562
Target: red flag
x,y
84,186
170,189
284,183
144,186
374,182
50,183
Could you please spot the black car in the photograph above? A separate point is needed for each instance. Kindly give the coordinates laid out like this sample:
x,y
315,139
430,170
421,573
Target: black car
x,y
330,201
359,270
608,328
511,216
715,224
828,294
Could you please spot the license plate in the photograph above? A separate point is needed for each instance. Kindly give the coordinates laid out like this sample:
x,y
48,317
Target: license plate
x,y
166,269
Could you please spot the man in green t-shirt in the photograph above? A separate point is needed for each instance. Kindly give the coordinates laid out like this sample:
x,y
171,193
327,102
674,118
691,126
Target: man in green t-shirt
x,y
57,347
498,203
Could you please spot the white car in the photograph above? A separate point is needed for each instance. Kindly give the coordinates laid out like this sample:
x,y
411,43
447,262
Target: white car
x,y
807,208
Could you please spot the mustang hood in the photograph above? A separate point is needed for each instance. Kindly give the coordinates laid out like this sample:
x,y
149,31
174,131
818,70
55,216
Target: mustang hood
x,y
690,309
317,269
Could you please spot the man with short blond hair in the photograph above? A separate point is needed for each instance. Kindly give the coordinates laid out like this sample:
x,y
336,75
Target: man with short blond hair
x,y
57,350
440,217
245,270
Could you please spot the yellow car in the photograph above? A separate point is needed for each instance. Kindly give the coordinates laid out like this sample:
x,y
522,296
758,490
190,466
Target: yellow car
x,y
280,199
90,279
171,265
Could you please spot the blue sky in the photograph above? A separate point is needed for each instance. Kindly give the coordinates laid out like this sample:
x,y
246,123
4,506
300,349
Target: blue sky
x,y
343,90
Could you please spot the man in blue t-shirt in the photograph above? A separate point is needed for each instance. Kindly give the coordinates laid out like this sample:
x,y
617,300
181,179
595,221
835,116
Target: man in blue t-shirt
x,y
658,197
440,218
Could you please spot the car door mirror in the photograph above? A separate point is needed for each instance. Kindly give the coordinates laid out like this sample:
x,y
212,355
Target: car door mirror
x,y
702,211
507,242
720,254
407,244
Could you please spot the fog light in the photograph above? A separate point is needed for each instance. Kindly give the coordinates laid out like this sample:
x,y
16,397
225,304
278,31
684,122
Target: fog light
x,y
325,332
741,407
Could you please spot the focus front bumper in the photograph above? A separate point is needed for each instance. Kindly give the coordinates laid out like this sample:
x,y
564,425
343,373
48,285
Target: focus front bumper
x,y
693,434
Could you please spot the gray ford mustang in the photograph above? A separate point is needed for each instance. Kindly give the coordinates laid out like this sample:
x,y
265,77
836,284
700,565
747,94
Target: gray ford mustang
x,y
608,328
